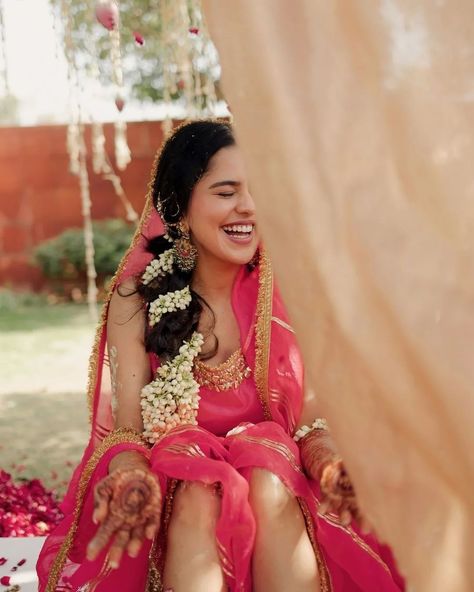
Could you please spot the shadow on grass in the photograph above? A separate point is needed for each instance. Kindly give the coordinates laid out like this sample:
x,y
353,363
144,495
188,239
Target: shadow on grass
x,y
43,436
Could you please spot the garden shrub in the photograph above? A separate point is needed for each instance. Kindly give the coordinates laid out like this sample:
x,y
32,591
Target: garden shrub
x,y
63,257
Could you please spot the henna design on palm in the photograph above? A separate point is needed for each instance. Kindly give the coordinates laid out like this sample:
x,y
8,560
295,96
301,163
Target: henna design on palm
x,y
127,506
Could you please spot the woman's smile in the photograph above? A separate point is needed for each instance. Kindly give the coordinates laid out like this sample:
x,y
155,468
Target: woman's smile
x,y
240,232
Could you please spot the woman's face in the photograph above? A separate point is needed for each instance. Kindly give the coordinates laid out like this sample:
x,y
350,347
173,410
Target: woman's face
x,y
221,213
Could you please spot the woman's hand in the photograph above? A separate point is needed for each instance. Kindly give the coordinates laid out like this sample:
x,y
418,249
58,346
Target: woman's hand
x,y
338,493
127,507
322,463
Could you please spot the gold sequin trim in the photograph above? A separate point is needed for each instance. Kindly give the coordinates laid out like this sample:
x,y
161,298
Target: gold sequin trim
x,y
263,331
119,436
228,375
324,577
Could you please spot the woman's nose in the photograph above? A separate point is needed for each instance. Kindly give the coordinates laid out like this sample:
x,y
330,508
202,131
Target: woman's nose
x,y
245,203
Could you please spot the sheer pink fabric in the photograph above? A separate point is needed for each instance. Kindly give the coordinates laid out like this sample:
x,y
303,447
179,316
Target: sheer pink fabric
x,y
267,405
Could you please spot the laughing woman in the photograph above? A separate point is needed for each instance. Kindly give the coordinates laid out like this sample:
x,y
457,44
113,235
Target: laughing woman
x,y
207,469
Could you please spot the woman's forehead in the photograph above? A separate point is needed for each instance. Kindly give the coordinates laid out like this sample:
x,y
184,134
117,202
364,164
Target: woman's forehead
x,y
228,162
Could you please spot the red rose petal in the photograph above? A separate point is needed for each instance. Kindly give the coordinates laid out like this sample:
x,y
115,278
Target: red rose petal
x,y
3,560
138,38
5,580
194,30
21,562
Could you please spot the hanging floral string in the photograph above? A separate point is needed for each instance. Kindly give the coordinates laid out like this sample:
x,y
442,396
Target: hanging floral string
x,y
107,13
186,46
78,159
101,166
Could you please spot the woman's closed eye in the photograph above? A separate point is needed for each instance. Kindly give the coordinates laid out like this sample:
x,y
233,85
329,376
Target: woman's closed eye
x,y
227,194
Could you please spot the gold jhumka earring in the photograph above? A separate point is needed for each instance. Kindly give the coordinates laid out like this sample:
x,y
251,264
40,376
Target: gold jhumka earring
x,y
185,252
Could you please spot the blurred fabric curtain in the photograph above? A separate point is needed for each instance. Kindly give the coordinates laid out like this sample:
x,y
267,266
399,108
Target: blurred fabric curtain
x,y
356,120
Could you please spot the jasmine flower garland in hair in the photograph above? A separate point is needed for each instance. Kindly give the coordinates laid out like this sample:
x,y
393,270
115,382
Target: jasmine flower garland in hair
x,y
159,267
169,302
172,398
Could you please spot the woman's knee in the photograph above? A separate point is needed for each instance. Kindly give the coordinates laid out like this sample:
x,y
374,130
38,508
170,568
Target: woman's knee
x,y
268,495
195,505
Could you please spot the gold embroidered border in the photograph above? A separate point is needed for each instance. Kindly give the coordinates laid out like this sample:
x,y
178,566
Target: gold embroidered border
x,y
324,576
263,331
116,437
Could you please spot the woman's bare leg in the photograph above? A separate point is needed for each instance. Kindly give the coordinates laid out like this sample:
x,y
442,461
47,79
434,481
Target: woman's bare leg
x,y
283,558
192,561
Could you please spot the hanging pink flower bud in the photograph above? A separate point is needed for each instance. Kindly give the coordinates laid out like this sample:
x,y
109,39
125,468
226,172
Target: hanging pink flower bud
x,y
138,38
194,30
107,13
119,103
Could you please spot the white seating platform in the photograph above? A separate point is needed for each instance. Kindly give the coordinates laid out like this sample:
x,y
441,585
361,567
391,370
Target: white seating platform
x,y
14,549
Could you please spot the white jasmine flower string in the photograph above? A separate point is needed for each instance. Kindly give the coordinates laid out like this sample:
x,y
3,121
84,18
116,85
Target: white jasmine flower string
x,y
170,302
159,267
172,398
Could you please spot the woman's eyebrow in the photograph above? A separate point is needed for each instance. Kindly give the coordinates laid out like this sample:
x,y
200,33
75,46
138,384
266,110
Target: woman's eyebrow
x,y
221,183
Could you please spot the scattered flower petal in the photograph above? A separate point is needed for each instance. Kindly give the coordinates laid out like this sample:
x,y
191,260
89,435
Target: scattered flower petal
x,y
119,103
5,580
21,562
26,509
3,560
194,30
139,40
107,13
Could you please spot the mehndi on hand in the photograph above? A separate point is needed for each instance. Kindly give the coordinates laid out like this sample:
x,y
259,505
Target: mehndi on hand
x,y
127,507
322,463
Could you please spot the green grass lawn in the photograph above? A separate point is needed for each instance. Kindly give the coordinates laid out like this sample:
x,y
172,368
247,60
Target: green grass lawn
x,y
43,411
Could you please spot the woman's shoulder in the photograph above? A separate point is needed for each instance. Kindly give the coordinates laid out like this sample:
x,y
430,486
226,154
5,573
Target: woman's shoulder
x,y
125,301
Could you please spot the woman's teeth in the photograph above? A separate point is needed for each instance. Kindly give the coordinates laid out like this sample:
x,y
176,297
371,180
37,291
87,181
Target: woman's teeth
x,y
238,229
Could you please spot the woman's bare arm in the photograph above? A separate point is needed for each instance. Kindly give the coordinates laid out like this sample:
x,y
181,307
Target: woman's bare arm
x,y
128,501
129,362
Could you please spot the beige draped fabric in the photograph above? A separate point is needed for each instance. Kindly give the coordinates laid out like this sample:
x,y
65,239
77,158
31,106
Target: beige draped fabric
x,y
356,120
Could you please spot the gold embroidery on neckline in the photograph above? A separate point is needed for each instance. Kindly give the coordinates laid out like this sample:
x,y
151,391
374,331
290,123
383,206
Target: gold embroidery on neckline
x,y
228,375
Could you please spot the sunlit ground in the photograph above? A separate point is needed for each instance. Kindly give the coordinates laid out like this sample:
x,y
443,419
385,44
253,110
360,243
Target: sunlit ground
x,y
43,412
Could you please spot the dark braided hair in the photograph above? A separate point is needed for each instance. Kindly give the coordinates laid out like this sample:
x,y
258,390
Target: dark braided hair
x,y
183,161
